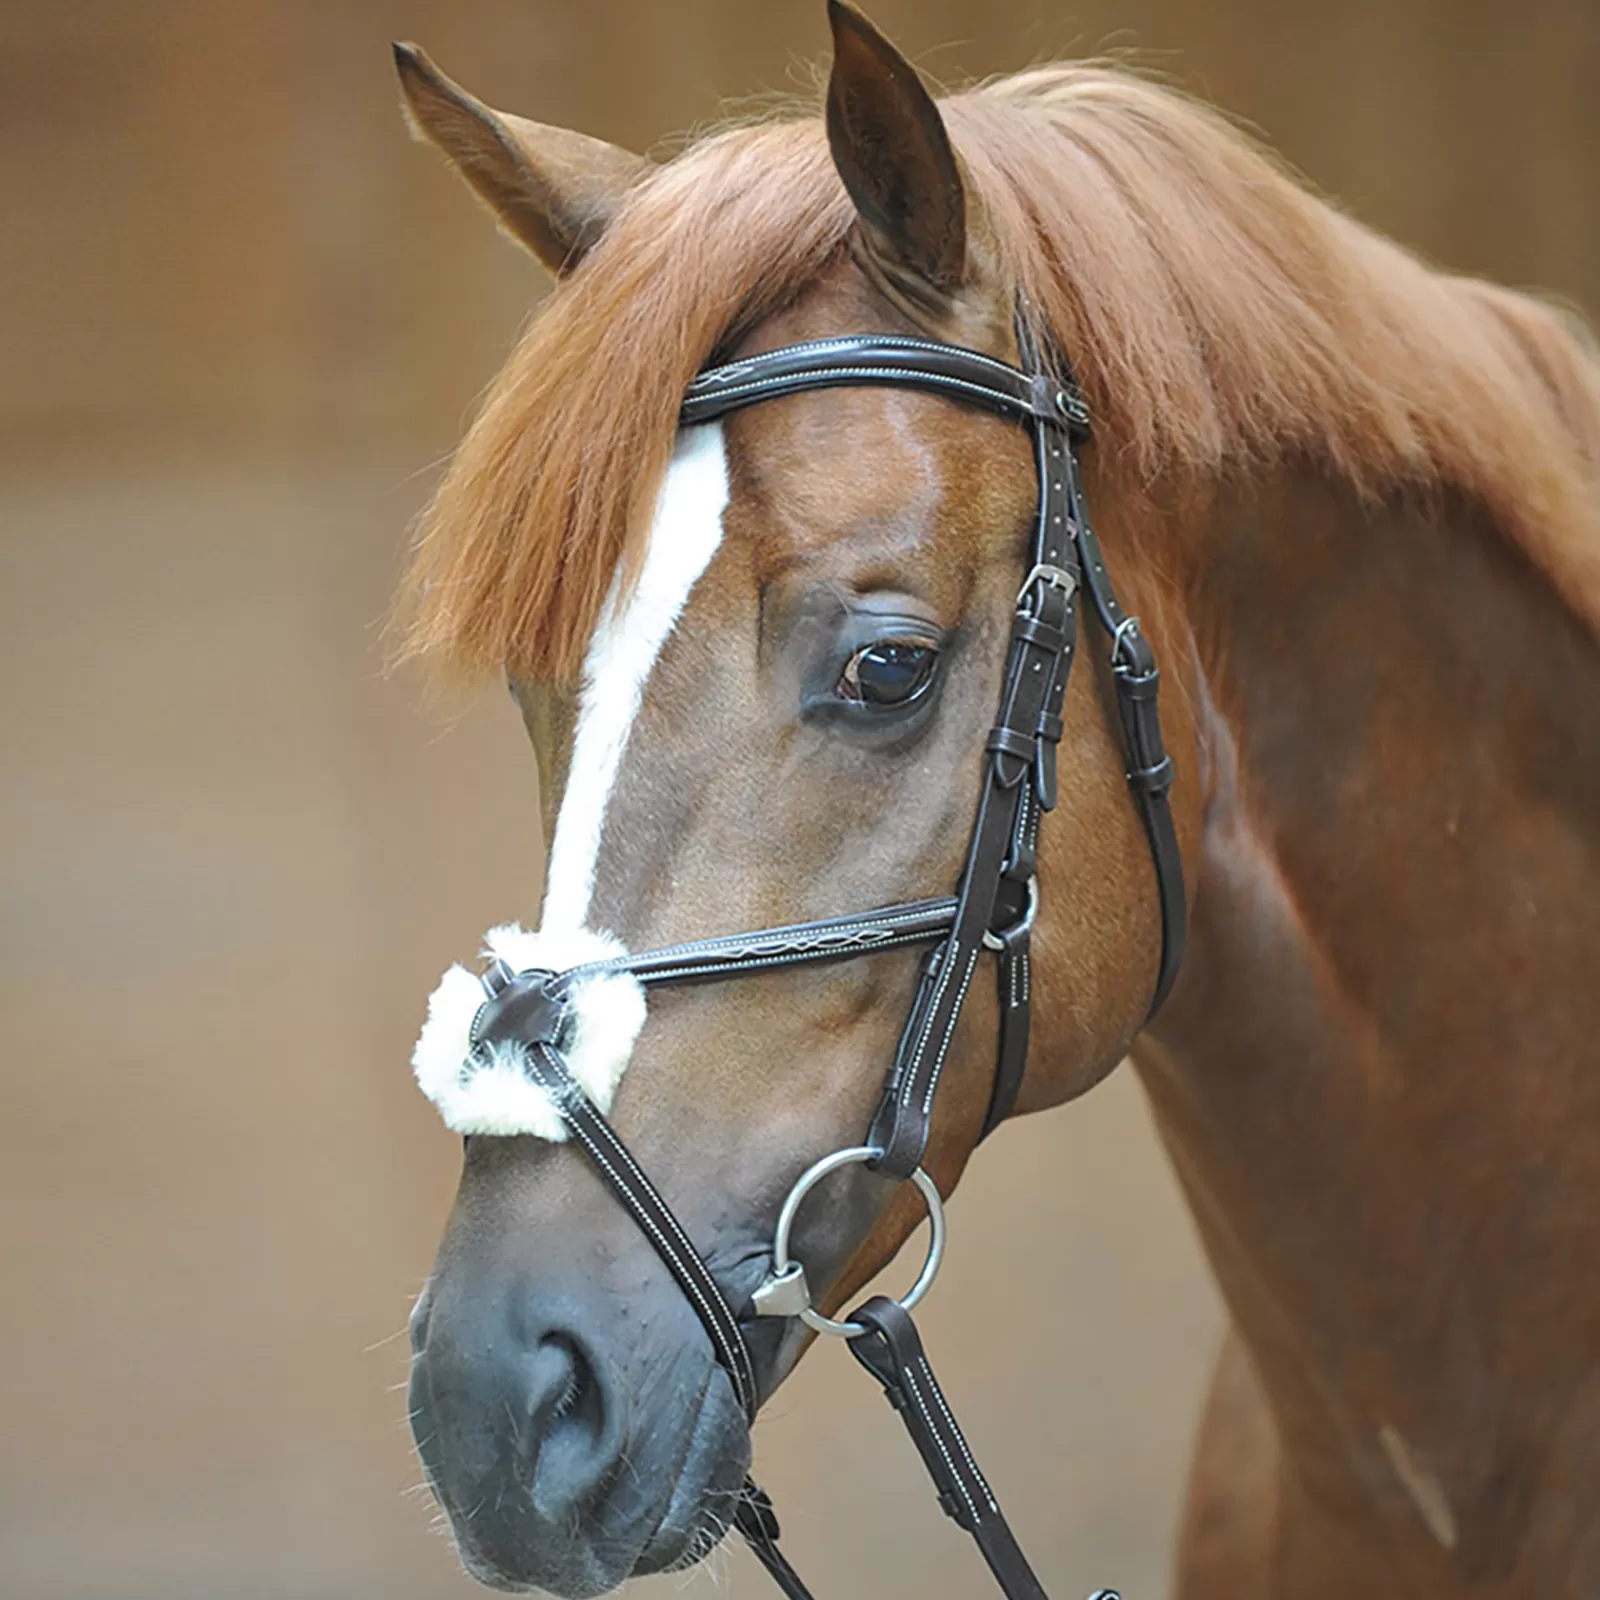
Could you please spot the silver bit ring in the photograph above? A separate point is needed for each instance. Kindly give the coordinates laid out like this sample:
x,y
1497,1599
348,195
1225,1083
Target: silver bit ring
x,y
786,1294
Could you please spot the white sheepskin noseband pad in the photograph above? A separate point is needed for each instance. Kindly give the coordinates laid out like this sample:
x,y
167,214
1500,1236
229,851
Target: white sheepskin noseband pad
x,y
493,1093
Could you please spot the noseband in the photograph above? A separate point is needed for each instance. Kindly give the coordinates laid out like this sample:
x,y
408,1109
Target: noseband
x,y
993,909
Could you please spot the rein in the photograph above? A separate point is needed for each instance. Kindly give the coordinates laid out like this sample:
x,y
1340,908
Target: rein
x,y
994,909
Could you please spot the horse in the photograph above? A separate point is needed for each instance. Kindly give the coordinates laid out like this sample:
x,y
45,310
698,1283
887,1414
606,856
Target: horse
x,y
1355,501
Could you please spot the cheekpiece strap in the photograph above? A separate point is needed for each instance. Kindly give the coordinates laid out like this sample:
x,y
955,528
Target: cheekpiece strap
x,y
999,895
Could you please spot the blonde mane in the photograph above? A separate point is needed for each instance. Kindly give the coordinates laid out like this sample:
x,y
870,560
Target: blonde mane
x,y
1219,317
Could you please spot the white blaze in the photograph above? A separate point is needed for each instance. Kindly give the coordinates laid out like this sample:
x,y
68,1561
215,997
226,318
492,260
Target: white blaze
x,y
497,1096
683,538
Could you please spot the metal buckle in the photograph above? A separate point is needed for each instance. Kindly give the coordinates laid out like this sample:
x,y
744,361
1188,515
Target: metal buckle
x,y
1127,627
997,941
1056,577
1074,408
785,1292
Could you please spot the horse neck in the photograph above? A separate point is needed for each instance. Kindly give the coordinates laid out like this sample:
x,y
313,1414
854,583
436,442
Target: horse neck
x,y
1380,1076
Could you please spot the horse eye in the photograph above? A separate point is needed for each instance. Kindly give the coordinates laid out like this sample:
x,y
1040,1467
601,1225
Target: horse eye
x,y
888,672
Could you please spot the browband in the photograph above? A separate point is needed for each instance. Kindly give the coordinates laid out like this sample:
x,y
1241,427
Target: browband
x,y
876,358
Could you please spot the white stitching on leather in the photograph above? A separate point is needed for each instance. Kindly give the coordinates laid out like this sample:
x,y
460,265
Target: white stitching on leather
x,y
922,379
941,984
891,341
708,1312
864,924
957,1434
714,1315
754,963
949,1033
938,1438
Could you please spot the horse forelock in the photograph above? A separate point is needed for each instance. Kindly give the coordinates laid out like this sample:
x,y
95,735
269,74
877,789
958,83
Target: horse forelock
x,y
1218,315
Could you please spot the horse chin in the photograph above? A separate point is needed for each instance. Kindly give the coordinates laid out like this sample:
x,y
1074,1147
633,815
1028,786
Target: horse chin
x,y
668,1507
705,1490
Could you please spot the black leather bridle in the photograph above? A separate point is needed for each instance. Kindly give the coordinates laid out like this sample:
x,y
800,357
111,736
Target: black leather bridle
x,y
993,909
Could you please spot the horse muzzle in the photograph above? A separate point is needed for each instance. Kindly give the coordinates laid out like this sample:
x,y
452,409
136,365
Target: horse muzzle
x,y
574,1437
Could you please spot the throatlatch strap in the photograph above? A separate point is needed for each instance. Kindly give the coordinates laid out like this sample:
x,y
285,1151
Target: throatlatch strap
x,y
1150,770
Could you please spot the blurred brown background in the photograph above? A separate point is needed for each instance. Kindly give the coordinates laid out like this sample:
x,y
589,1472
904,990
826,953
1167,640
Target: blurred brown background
x,y
241,320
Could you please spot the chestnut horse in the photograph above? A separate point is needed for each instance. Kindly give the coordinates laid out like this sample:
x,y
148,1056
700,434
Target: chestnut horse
x,y
1357,503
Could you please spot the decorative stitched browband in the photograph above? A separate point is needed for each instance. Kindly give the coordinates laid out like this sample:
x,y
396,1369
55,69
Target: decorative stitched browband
x,y
514,1051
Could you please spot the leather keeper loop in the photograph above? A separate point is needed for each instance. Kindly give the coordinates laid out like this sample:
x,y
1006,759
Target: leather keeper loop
x,y
1011,742
1013,755
1034,630
1153,780
1138,685
1134,658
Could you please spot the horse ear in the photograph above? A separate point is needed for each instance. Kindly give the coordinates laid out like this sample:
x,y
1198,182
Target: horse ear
x,y
552,189
891,148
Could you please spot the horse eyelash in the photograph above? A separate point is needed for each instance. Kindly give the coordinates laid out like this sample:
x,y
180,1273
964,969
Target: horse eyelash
x,y
566,1400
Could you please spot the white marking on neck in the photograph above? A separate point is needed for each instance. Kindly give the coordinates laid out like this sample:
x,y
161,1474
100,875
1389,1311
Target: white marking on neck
x,y
1427,1493
684,535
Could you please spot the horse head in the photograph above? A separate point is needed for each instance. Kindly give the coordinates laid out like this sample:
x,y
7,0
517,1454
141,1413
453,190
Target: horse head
x,y
759,659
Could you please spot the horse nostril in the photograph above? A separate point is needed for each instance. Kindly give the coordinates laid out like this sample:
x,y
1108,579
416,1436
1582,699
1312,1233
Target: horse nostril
x,y
570,1426
558,1376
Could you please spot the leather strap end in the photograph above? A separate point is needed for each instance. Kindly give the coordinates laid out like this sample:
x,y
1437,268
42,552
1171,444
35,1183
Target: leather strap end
x,y
1014,753
1044,774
